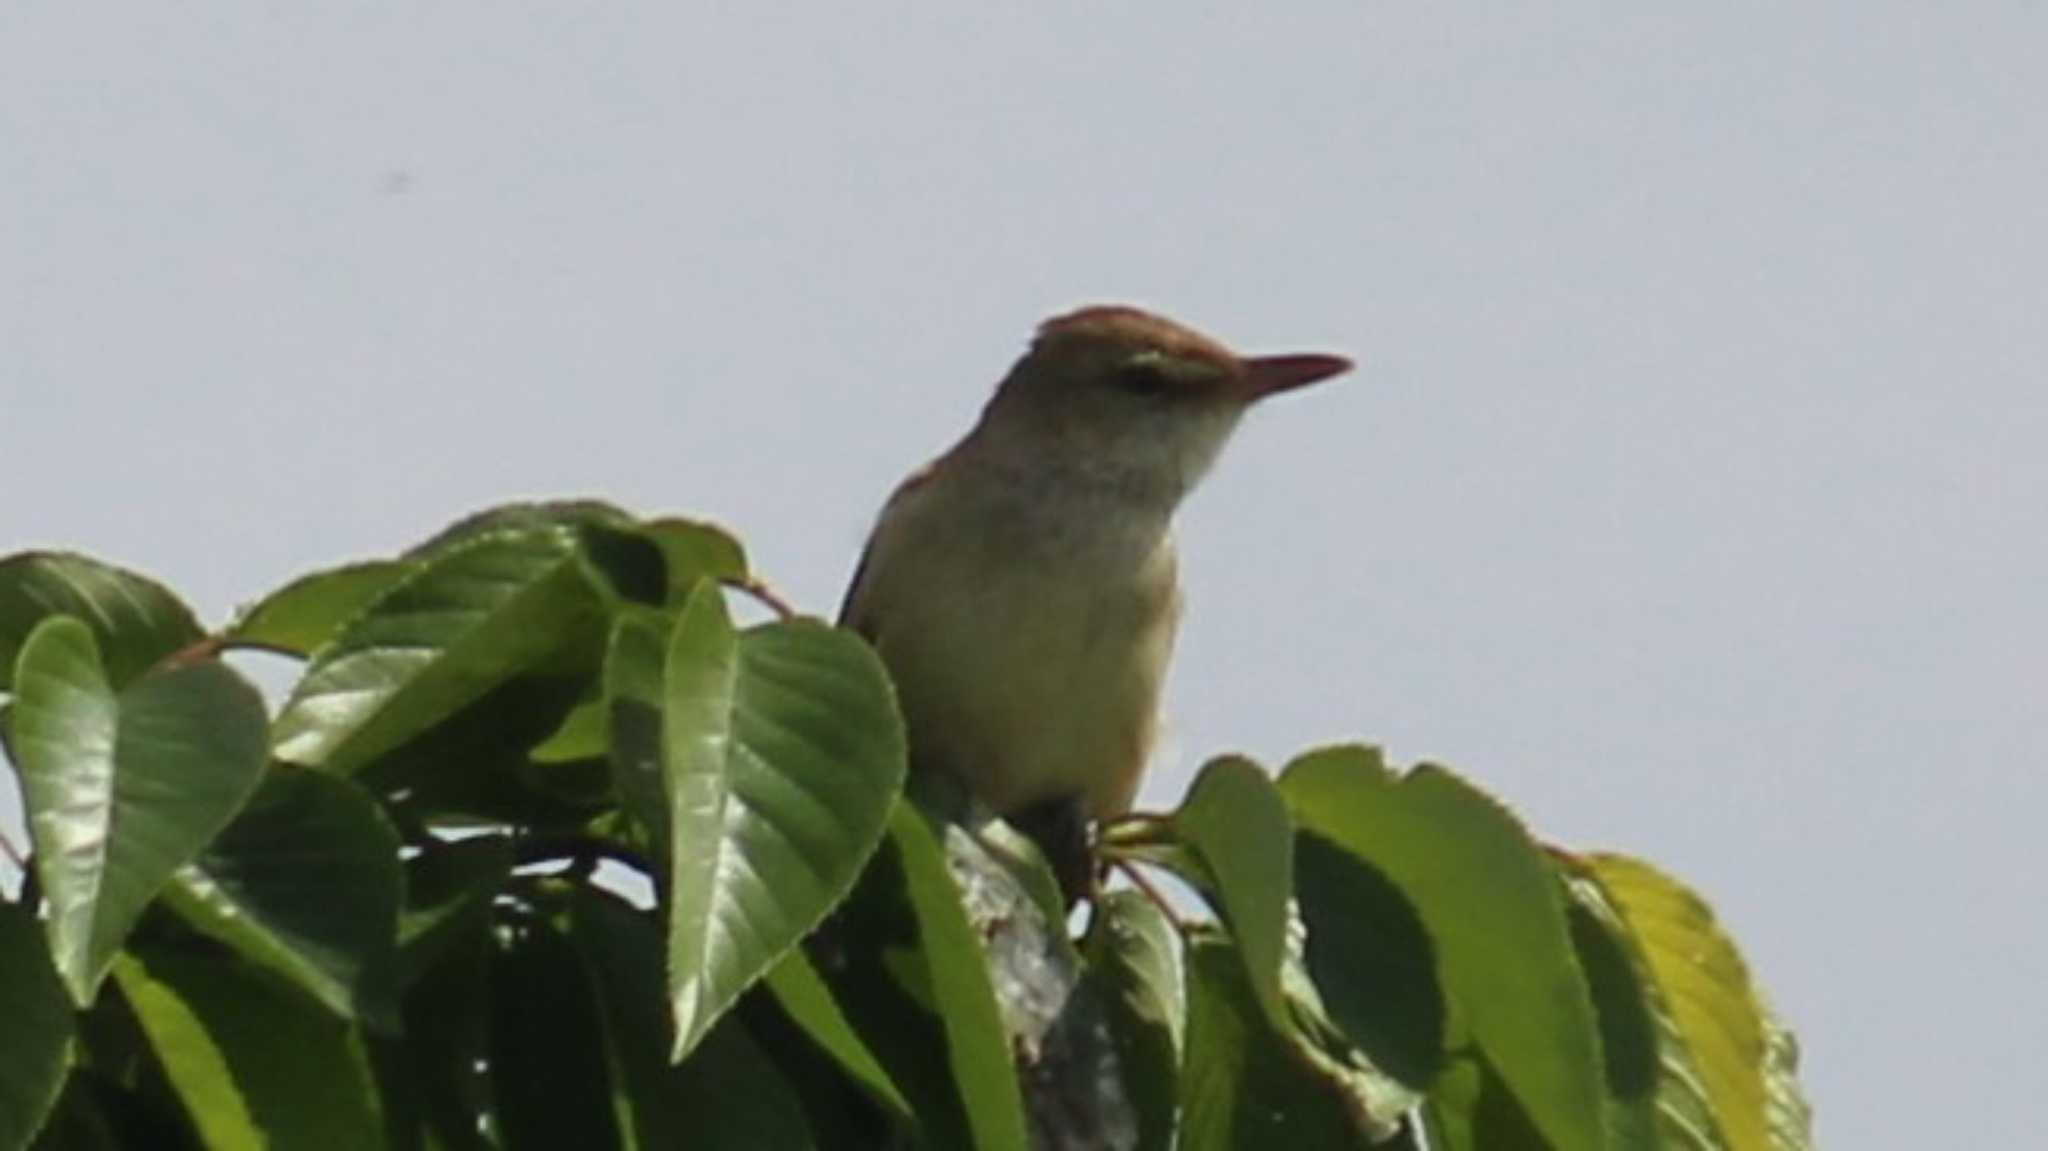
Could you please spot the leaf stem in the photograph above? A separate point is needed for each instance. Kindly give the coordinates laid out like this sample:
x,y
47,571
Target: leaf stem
x,y
581,852
14,854
762,593
200,650
1151,891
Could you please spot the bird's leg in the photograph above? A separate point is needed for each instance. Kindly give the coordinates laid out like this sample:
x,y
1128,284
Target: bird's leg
x,y
1060,829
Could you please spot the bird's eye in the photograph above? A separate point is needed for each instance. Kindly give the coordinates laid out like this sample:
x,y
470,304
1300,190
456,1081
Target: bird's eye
x,y
1145,378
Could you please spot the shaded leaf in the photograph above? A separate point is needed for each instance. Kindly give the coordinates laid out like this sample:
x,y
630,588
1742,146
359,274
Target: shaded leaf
x,y
549,1068
253,1065
473,617
1134,956
122,790
476,767
1485,892
449,887
695,550
1375,1101
1471,1109
634,694
437,1077
909,972
781,755
725,1095
803,996
1242,1083
1371,960
95,1113
134,620
311,610
38,1026
305,882
1628,1031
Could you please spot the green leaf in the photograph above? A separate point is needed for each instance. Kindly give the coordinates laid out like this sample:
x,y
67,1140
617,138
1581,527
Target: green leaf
x,y
476,767
448,892
727,1094
1375,1101
803,995
39,1028
549,1067
122,790
135,620
311,610
1724,1084
1470,1109
634,695
517,518
474,616
781,753
1134,955
1371,960
254,1065
305,882
1236,824
1628,1031
1243,1083
1791,1117
695,550
630,561
909,972
954,974
1496,910
95,1114
436,1079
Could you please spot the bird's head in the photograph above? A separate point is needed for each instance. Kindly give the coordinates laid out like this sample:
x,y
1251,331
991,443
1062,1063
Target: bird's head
x,y
1133,398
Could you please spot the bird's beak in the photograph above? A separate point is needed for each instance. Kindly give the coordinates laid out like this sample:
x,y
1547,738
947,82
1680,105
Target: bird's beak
x,y
1266,375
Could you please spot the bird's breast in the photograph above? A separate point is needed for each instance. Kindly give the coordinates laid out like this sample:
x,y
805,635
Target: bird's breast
x,y
1027,662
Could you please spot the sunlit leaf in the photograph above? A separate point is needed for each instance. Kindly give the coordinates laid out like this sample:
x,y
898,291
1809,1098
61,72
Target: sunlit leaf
x,y
1495,910
311,610
1725,1082
781,754
1236,824
134,619
122,789
473,617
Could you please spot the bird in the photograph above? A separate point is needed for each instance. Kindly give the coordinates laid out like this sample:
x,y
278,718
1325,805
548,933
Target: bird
x,y
1022,589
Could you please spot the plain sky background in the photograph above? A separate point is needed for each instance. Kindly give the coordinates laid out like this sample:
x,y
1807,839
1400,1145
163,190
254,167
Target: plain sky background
x,y
1691,493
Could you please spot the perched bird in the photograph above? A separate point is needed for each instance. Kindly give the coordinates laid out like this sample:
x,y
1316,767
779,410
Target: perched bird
x,y
1022,588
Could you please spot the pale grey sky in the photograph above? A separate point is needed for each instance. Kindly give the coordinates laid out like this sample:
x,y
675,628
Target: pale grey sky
x,y
1691,493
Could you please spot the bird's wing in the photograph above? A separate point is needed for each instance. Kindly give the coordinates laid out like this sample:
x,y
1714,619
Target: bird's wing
x,y
850,613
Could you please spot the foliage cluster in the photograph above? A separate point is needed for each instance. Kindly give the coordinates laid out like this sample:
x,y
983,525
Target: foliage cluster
x,y
543,849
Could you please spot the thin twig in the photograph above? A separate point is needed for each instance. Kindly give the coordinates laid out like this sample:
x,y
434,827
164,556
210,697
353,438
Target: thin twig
x,y
1151,891
206,647
577,850
14,854
767,596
